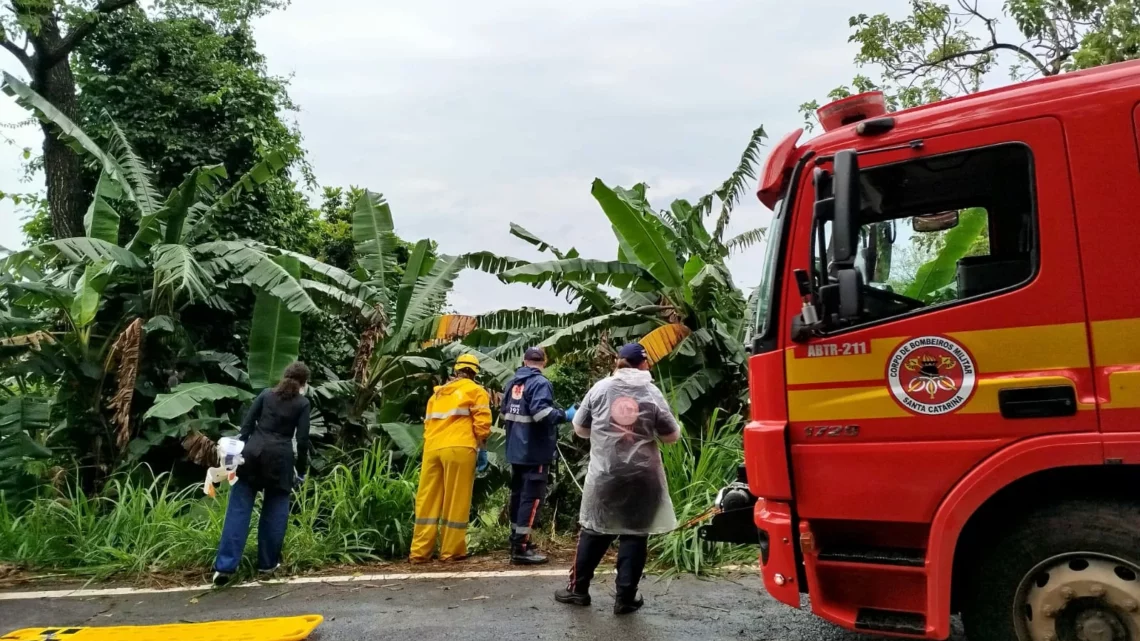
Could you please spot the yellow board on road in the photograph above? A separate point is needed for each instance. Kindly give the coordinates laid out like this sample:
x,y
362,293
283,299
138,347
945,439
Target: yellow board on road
x,y
277,629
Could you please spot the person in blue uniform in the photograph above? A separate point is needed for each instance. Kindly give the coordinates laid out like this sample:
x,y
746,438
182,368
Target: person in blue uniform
x,y
531,421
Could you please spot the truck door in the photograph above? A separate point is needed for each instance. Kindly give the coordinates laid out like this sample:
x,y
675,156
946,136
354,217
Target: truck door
x,y
973,332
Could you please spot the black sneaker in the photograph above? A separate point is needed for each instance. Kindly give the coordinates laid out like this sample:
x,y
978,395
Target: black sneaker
x,y
221,579
563,595
526,556
628,606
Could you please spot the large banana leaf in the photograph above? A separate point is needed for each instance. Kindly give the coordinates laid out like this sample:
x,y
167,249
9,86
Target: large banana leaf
x,y
138,175
628,214
585,333
525,318
230,364
419,264
77,251
187,197
604,272
491,263
684,395
431,290
489,366
185,397
374,237
408,437
176,269
519,232
88,292
197,218
259,270
347,282
941,271
68,132
101,220
342,298
744,240
275,333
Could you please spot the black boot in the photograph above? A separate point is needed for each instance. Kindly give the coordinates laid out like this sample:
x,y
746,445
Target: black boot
x,y
564,595
523,554
627,604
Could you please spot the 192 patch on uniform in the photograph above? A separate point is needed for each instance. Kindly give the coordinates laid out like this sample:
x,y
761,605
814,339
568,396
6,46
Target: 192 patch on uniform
x,y
931,375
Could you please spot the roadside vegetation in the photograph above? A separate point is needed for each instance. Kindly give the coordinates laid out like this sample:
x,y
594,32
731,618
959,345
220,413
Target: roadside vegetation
x,y
181,268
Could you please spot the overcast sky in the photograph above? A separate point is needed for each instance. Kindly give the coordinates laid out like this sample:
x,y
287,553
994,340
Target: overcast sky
x,y
471,115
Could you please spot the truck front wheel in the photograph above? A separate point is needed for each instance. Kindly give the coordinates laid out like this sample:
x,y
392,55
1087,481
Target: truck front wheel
x,y
1066,572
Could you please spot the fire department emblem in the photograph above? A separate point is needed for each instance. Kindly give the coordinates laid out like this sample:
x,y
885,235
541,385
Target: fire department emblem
x,y
517,391
624,411
931,375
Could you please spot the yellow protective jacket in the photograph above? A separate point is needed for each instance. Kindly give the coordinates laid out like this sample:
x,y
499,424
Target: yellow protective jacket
x,y
458,415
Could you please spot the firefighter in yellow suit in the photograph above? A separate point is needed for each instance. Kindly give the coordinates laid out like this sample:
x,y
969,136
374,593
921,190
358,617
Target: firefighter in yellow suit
x,y
456,426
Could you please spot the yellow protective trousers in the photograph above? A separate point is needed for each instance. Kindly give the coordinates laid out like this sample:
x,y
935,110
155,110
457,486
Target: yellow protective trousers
x,y
447,478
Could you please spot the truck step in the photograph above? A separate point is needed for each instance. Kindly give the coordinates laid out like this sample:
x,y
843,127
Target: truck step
x,y
874,620
878,556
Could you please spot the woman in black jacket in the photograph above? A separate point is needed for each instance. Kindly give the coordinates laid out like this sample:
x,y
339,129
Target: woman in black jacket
x,y
277,415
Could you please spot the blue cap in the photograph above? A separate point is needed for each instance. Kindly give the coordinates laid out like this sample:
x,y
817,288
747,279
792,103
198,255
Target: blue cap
x,y
534,355
633,353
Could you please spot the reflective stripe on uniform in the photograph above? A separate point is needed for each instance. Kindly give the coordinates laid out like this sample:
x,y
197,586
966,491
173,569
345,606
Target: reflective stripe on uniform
x,y
459,411
518,418
454,525
543,413
427,521
522,530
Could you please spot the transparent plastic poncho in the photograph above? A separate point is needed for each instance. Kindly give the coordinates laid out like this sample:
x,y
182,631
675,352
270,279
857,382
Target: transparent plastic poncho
x,y
626,491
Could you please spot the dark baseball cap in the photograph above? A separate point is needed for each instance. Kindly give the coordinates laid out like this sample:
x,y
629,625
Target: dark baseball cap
x,y
534,355
633,353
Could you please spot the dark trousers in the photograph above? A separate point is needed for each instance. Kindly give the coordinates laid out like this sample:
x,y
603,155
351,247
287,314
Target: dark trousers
x,y
632,553
528,490
270,528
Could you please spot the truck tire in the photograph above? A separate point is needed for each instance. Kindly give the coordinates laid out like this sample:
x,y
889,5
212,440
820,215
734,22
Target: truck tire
x,y
1066,571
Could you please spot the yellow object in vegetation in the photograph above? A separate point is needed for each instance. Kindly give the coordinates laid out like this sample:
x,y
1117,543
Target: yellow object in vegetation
x,y
278,629
662,341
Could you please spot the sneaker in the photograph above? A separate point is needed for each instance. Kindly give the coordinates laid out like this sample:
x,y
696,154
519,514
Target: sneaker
x,y
526,555
627,606
221,578
564,595
268,574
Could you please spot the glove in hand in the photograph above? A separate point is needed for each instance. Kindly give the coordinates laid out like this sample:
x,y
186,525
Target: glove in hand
x,y
481,461
570,412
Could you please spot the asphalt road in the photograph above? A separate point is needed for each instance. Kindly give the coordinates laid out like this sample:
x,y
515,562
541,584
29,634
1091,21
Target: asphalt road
x,y
732,607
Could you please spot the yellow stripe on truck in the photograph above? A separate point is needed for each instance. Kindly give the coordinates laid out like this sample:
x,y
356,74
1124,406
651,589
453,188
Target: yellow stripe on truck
x,y
995,351
1116,342
853,403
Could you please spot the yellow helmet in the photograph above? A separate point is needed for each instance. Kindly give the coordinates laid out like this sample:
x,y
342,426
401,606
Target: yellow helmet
x,y
467,361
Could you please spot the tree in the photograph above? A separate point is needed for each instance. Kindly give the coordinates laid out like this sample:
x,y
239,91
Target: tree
x,y
941,50
190,93
51,31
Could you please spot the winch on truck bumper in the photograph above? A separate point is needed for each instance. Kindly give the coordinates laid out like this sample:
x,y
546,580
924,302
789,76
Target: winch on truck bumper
x,y
734,521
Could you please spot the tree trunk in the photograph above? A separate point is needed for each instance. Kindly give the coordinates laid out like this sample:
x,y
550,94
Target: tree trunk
x,y
62,167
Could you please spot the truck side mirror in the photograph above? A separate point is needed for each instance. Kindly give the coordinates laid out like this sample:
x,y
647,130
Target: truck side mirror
x,y
845,228
845,235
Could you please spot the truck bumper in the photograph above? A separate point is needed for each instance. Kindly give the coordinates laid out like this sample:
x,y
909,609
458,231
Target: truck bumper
x,y
777,551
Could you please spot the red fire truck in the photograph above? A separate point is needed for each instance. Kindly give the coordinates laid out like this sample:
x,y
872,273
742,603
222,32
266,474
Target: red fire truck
x,y
932,436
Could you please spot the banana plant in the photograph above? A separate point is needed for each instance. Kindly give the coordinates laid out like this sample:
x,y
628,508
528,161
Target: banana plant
x,y
676,296
98,295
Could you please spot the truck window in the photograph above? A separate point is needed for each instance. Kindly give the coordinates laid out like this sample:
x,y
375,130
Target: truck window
x,y
948,228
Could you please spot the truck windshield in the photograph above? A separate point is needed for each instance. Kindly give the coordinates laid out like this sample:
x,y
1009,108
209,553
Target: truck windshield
x,y
766,291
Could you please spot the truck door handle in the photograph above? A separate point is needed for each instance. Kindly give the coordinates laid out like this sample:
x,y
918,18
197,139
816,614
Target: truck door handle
x,y
1038,402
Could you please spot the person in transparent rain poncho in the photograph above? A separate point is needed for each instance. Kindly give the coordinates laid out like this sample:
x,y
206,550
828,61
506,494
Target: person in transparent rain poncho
x,y
626,496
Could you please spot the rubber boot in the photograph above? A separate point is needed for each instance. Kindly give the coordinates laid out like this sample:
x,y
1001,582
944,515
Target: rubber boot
x,y
626,604
523,554
564,595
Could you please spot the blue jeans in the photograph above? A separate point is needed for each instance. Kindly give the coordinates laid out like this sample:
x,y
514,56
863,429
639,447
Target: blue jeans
x,y
270,528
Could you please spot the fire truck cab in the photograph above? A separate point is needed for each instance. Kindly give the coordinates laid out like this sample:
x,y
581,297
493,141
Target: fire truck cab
x,y
945,374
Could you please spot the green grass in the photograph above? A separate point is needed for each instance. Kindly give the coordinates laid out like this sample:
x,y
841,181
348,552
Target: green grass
x,y
697,467
355,513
